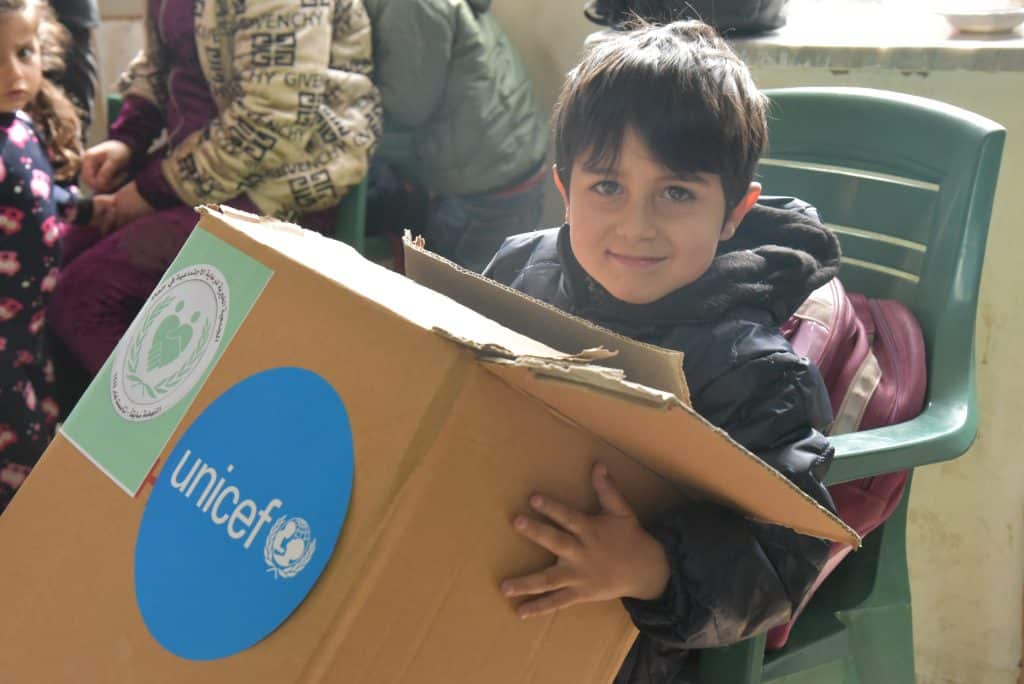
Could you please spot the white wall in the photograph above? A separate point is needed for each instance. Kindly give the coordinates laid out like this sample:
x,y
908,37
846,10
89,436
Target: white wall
x,y
965,537
118,38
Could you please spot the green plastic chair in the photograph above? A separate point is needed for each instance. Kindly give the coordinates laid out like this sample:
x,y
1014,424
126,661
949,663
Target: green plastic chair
x,y
907,184
350,219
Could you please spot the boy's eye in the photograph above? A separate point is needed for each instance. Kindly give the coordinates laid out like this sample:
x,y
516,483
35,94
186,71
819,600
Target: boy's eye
x,y
26,53
678,194
607,188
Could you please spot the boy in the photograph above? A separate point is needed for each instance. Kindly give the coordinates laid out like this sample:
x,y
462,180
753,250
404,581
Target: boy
x,y
658,133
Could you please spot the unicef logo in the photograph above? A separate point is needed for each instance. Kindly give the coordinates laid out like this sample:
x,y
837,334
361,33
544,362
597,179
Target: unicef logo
x,y
171,343
289,547
245,514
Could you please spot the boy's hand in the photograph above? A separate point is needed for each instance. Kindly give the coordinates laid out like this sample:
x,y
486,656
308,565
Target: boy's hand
x,y
600,557
105,166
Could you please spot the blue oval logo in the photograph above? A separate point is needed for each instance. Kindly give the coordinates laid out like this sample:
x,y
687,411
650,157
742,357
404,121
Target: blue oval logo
x,y
245,514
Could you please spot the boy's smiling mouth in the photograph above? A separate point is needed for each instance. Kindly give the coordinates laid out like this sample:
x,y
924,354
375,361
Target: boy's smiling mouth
x,y
632,261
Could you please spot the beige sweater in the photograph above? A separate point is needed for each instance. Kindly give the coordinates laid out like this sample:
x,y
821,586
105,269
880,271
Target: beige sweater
x,y
298,115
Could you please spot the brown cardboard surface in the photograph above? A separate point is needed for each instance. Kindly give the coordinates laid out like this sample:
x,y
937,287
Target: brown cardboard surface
x,y
448,447
643,363
657,428
676,442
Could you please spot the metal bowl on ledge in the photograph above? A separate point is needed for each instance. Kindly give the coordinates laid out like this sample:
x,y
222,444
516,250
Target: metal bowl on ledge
x,y
984,21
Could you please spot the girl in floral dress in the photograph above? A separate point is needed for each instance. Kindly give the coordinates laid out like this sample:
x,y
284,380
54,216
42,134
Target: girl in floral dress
x,y
33,207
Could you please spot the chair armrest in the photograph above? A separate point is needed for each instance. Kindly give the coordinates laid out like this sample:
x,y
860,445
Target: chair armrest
x,y
350,216
942,432
114,102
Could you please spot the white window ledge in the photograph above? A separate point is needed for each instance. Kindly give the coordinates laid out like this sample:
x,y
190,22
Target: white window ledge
x,y
852,35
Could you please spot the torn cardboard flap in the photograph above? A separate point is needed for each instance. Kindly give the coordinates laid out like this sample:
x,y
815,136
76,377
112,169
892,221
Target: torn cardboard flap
x,y
643,363
675,441
671,439
597,377
489,349
422,306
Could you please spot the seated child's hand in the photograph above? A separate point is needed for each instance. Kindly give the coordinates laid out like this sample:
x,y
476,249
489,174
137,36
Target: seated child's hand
x,y
104,213
105,166
129,204
600,557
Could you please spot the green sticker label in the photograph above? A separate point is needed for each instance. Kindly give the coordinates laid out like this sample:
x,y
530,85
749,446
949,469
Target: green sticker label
x,y
130,410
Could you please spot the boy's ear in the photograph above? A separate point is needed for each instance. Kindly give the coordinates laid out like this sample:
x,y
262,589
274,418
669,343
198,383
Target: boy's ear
x,y
561,189
735,217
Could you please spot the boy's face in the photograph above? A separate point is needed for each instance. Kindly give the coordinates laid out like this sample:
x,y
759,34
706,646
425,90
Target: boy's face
x,y
641,230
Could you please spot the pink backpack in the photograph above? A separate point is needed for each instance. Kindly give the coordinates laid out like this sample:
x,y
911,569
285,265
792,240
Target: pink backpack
x,y
871,355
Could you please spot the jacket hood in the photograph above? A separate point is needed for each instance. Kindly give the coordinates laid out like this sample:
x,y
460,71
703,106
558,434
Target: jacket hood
x,y
780,254
479,6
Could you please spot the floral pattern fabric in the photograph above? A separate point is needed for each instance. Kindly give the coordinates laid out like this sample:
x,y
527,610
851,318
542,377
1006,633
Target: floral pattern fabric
x,y
31,227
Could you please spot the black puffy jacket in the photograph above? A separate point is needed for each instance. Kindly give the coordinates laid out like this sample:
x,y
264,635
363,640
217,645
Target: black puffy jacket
x,y
727,16
731,577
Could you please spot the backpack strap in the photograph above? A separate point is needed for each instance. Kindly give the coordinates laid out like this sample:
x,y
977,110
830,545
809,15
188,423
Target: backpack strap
x,y
829,332
859,391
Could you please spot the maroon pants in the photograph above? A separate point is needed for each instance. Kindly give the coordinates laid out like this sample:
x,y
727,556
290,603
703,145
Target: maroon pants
x,y
106,280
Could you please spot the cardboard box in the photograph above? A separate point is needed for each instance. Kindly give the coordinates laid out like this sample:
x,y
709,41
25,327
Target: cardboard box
x,y
277,389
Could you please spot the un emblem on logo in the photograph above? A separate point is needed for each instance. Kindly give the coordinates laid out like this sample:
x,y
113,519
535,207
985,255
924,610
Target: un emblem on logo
x,y
289,547
170,344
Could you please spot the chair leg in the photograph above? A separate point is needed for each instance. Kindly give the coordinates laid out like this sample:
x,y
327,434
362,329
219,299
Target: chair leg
x,y
882,641
881,628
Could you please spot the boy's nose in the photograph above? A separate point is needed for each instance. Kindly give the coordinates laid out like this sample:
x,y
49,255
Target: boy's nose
x,y
636,223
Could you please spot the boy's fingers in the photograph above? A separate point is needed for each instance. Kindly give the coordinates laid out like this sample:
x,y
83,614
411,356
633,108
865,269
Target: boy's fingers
x,y
563,598
542,534
566,516
611,500
554,578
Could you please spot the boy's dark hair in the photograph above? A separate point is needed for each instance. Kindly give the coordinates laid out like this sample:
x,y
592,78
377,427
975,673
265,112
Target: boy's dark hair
x,y
684,92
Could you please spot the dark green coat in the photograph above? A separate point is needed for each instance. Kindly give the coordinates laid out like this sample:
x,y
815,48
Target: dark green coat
x,y
460,110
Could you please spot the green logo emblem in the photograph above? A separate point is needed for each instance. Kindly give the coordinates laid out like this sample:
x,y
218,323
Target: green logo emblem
x,y
168,343
172,336
171,343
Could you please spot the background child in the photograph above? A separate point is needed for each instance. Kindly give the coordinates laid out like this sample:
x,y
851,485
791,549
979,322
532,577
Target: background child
x,y
277,123
30,228
658,134
462,124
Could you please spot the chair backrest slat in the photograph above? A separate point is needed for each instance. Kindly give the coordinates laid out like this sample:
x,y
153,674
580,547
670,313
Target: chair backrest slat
x,y
900,208
907,184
